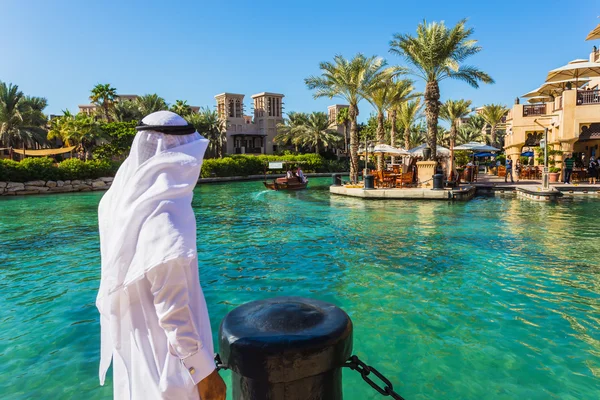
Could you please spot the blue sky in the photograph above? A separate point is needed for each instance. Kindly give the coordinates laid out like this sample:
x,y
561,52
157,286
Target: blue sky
x,y
193,50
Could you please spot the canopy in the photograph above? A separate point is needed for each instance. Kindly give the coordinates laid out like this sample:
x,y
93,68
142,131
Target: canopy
x,y
527,154
418,151
482,155
549,88
476,146
45,152
389,150
539,99
574,70
594,34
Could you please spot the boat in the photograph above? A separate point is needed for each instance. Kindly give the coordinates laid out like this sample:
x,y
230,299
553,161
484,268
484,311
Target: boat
x,y
284,183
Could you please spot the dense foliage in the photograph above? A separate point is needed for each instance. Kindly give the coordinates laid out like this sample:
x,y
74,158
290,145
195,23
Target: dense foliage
x,y
244,165
120,136
43,168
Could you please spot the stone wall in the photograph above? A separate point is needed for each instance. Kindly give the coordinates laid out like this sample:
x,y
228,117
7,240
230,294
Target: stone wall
x,y
43,187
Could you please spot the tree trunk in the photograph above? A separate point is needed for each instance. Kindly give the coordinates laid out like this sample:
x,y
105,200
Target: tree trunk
x,y
346,137
407,138
23,151
452,143
317,146
353,114
380,139
432,111
393,132
493,135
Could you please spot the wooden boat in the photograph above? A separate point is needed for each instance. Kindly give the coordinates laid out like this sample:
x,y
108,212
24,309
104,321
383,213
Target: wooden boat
x,y
286,184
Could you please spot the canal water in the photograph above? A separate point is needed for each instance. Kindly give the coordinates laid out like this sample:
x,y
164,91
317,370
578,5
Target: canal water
x,y
496,298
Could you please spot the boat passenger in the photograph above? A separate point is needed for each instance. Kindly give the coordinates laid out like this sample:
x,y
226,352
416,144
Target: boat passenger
x,y
300,175
289,174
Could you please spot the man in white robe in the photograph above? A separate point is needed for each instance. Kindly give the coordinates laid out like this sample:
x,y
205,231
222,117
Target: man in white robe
x,y
154,320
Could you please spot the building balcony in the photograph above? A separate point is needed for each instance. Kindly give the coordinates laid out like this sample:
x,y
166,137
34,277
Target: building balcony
x,y
587,97
533,110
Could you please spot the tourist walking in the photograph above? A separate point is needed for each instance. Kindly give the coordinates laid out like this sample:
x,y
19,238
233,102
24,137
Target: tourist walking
x,y
154,321
593,170
508,171
569,163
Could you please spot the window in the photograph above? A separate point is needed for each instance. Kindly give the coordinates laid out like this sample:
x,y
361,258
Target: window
x,y
238,108
270,107
231,110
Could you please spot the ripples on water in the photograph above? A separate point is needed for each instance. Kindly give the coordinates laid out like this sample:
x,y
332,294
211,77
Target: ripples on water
x,y
495,298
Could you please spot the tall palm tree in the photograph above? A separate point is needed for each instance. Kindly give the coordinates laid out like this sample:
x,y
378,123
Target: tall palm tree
x,y
350,80
317,131
181,108
493,114
104,96
417,135
408,115
149,103
22,120
289,131
208,124
454,111
384,98
343,118
436,53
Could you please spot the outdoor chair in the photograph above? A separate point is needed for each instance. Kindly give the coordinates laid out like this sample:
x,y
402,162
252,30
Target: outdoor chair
x,y
404,179
385,178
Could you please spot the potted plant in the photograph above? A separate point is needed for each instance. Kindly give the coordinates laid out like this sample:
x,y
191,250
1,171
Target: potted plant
x,y
553,174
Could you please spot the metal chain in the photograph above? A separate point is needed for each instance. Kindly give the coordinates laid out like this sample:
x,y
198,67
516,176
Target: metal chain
x,y
354,363
219,364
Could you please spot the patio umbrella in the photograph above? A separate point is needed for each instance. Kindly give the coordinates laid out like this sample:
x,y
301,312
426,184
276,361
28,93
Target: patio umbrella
x,y
539,99
388,150
476,146
482,155
527,154
418,151
576,69
549,88
594,34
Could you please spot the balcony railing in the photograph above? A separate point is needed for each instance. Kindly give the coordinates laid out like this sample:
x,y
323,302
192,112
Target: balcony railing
x,y
534,109
248,150
588,97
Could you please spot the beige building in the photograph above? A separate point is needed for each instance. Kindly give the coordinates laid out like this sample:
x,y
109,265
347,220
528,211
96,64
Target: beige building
x,y
245,134
332,113
571,114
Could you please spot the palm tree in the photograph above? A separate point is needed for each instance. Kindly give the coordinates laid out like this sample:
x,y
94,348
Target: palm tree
x,y
343,118
104,96
402,93
467,133
443,136
382,98
76,130
493,114
22,119
149,103
436,53
125,111
290,130
454,111
417,135
408,115
350,80
181,108
209,125
317,131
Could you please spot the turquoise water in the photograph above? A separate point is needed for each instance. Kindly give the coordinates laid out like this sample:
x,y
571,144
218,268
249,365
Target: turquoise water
x,y
495,298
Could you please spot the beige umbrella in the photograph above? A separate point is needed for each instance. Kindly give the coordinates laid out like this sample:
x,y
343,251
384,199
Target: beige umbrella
x,y
539,99
550,88
594,34
574,70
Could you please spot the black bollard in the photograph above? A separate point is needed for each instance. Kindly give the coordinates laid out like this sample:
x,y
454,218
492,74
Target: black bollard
x,y
337,179
369,181
288,348
438,182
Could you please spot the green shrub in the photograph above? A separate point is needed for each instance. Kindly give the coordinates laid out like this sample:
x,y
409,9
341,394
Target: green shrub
x,y
244,165
31,169
553,170
9,170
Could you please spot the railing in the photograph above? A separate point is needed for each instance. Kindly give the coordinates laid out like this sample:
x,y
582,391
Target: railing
x,y
588,97
253,150
534,109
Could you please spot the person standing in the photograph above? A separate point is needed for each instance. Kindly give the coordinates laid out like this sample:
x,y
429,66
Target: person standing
x,y
508,171
569,163
154,321
593,170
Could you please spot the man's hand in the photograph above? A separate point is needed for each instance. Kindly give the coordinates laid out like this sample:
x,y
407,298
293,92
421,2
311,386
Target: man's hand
x,y
212,387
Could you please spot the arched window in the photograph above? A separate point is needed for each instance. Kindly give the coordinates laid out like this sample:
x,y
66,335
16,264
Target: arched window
x,y
231,108
238,108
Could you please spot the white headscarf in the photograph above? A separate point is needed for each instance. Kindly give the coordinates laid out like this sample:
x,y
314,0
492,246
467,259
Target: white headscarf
x,y
146,217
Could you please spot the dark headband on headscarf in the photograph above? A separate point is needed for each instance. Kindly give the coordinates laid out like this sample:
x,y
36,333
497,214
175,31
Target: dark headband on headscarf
x,y
167,129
